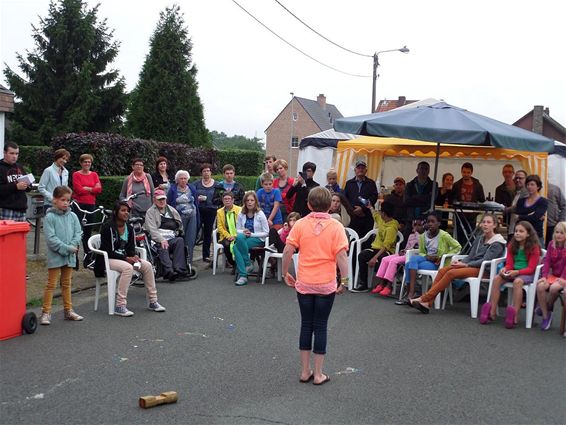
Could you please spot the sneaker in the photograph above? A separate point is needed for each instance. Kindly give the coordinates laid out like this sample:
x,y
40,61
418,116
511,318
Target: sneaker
x,y
545,324
378,289
386,292
250,268
403,301
242,281
123,311
271,248
72,316
360,289
155,306
45,319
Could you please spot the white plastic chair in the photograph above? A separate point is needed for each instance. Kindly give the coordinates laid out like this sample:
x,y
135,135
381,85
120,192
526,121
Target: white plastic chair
x,y
279,257
359,243
112,276
353,236
427,274
530,290
218,256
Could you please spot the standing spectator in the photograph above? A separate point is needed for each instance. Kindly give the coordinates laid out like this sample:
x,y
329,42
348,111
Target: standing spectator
x,y
163,175
322,244
268,168
53,176
505,192
520,192
444,195
301,188
269,200
467,189
533,208
284,183
332,181
138,182
183,197
395,198
556,209
418,193
13,199
360,192
206,188
86,185
230,185
164,226
226,219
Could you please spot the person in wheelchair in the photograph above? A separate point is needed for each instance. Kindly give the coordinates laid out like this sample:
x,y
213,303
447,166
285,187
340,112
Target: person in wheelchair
x,y
166,229
117,239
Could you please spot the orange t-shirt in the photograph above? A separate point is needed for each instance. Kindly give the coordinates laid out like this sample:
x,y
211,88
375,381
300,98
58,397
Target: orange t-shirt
x,y
319,239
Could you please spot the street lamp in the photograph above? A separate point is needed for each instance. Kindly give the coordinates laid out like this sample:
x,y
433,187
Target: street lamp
x,y
375,65
292,135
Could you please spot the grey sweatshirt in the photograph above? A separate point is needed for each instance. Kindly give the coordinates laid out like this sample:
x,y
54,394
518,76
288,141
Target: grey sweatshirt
x,y
485,251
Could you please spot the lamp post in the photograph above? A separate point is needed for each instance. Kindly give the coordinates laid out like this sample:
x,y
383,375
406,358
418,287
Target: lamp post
x,y
375,65
292,135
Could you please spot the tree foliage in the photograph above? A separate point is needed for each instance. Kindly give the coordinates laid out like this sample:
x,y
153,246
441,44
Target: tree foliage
x,y
165,104
67,86
221,141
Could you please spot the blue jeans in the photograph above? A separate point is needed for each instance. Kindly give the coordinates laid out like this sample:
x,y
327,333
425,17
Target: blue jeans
x,y
242,247
190,228
418,262
315,310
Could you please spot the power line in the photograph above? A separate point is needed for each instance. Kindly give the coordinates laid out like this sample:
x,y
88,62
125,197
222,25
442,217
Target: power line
x,y
319,34
296,48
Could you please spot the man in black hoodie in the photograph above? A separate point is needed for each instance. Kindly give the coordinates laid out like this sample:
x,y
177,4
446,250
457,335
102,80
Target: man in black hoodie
x,y
302,186
13,199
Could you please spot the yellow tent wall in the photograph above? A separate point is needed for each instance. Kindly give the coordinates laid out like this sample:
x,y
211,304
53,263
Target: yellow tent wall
x,y
375,149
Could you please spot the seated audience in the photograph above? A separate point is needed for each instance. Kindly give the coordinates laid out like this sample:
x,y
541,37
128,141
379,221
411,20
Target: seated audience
x,y
553,275
278,238
117,239
485,248
141,183
383,245
433,244
340,209
226,218
165,228
252,229
523,255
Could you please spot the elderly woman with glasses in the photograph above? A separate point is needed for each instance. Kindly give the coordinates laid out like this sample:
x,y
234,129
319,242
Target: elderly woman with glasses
x,y
183,197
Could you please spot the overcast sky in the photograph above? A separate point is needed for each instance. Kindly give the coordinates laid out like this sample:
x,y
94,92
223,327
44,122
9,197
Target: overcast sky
x,y
496,58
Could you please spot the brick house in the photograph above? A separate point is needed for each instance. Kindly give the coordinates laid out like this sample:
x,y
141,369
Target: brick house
x,y
6,105
539,121
387,105
300,118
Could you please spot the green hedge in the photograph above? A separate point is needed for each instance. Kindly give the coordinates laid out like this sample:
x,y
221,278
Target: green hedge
x,y
114,153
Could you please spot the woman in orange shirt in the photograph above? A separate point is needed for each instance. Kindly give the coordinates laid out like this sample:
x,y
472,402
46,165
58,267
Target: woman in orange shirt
x,y
323,244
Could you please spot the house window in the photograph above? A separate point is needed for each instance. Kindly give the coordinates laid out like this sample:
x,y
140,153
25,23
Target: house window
x,y
295,116
294,142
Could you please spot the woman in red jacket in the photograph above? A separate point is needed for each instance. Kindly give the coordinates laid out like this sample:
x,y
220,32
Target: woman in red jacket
x,y
86,185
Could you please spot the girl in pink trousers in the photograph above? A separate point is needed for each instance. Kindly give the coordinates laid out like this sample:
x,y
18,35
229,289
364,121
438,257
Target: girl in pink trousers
x,y
388,266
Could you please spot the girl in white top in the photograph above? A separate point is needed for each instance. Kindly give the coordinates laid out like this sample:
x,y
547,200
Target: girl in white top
x,y
252,229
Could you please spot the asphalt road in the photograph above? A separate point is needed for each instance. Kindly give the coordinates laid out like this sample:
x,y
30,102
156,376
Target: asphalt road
x,y
231,354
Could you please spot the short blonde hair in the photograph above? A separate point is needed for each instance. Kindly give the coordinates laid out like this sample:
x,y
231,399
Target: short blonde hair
x,y
265,177
84,157
280,163
182,173
559,226
332,173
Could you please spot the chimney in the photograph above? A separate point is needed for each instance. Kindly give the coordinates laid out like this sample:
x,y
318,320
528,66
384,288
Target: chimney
x,y
321,99
537,119
547,111
401,101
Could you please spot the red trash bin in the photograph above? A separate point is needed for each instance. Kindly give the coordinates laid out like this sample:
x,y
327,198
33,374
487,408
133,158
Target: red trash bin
x,y
13,317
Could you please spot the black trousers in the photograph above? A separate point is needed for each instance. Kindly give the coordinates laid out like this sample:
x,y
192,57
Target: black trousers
x,y
363,260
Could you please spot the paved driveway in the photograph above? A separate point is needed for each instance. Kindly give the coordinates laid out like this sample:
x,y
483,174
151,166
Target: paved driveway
x,y
231,354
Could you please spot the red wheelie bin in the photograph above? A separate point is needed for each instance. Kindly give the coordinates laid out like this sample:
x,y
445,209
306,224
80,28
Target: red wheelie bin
x,y
13,317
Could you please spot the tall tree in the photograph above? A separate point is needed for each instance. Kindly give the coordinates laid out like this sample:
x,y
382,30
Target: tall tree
x,y
222,141
68,86
165,104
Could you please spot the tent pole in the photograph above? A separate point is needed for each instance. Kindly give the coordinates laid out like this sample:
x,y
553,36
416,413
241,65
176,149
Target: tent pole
x,y
434,185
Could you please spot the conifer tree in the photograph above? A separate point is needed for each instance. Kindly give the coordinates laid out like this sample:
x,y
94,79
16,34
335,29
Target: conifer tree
x,y
67,86
165,104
